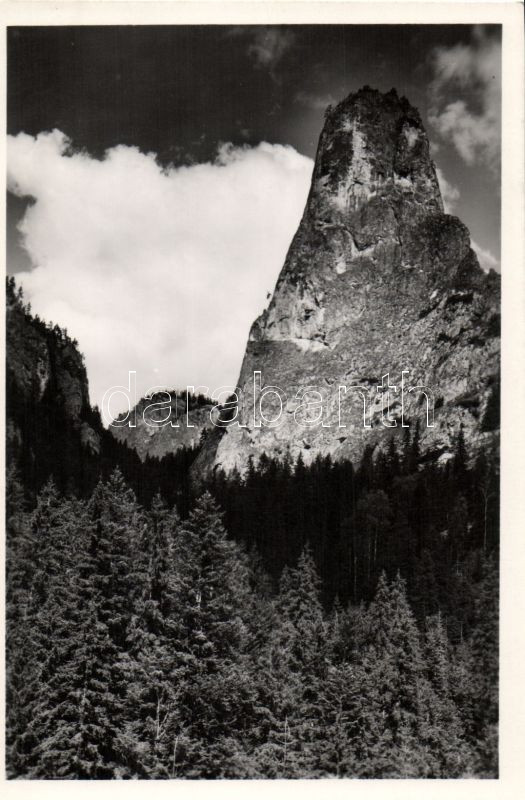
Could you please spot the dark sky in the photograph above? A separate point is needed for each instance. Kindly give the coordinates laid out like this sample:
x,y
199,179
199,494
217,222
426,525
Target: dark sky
x,y
185,88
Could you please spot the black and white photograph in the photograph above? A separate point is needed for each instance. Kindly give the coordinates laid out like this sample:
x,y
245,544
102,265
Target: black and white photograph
x,y
252,400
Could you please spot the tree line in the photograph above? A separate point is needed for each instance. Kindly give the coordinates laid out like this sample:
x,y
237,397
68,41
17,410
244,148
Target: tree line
x,y
434,523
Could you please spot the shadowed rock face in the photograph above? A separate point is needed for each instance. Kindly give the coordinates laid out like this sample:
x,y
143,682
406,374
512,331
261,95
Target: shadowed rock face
x,y
41,361
149,437
378,279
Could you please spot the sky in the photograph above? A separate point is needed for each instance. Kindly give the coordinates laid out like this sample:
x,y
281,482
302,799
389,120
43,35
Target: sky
x,y
156,175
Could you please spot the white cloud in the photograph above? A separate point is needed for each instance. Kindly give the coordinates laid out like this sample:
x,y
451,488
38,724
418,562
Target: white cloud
x,y
449,192
159,271
466,98
487,260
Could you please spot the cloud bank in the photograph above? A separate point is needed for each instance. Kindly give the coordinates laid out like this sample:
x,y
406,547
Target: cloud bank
x,y
156,270
466,98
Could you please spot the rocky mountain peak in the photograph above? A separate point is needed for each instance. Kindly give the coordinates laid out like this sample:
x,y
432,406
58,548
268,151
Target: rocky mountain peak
x,y
373,148
378,280
374,213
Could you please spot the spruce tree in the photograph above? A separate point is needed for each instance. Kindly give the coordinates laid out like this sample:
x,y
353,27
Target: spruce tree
x,y
20,566
484,670
445,732
46,565
216,696
296,670
389,740
81,717
337,722
156,664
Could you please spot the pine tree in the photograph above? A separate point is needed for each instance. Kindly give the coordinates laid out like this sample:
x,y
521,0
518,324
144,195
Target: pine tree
x,y
389,740
340,696
81,715
156,667
216,694
296,669
445,731
47,562
484,670
338,706
59,717
117,585
20,566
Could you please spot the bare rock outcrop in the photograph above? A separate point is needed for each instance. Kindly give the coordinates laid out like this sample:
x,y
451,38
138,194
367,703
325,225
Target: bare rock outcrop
x,y
167,427
378,280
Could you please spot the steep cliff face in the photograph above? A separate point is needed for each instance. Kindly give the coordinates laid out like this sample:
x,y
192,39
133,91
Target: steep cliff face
x,y
44,366
187,419
52,431
378,279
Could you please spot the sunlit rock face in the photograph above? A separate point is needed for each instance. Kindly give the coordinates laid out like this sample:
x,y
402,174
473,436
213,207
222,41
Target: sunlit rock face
x,y
378,279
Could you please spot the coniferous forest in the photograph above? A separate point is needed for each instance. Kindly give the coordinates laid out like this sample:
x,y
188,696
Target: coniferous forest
x,y
300,621
143,644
